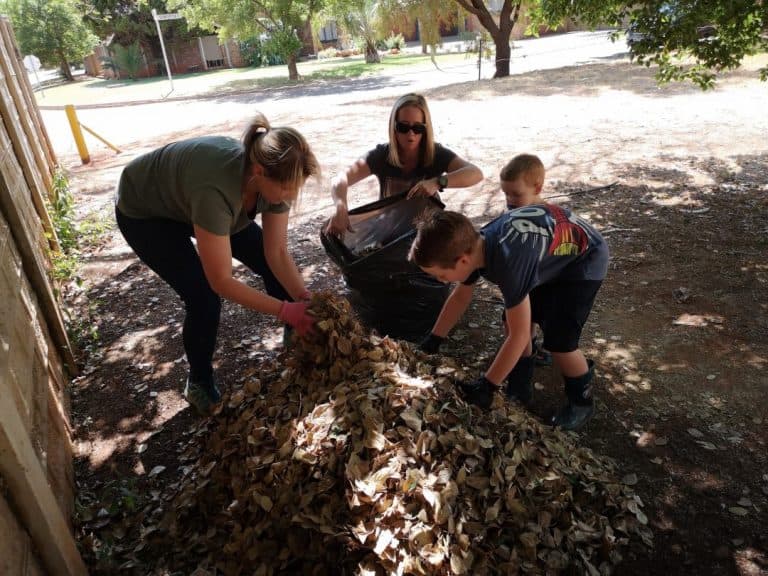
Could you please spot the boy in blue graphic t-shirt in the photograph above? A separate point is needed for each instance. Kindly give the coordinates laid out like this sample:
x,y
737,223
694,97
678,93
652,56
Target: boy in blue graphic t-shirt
x,y
549,265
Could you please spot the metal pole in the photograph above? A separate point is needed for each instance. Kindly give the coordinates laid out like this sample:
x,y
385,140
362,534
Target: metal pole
x,y
162,46
479,55
74,124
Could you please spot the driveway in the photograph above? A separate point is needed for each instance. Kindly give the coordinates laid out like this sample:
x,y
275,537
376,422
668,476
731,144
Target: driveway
x,y
125,125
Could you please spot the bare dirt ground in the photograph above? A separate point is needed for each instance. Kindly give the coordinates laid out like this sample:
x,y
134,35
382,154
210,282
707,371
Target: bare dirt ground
x,y
679,332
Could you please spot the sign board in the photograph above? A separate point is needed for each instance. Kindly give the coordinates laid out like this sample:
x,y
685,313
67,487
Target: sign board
x,y
31,63
173,16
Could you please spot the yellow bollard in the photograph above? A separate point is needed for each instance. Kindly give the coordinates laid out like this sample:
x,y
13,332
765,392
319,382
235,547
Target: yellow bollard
x,y
82,149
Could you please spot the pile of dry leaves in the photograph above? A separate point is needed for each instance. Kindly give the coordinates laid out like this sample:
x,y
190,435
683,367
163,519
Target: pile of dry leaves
x,y
357,456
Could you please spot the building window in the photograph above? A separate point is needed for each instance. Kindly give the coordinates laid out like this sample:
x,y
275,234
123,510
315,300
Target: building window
x,y
328,33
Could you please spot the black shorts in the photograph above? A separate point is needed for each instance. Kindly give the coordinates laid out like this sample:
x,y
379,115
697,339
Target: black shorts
x,y
561,309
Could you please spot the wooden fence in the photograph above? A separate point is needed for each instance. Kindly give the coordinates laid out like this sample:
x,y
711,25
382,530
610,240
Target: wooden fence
x,y
36,360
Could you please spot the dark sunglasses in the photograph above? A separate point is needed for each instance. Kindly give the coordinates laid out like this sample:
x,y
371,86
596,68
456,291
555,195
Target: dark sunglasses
x,y
404,128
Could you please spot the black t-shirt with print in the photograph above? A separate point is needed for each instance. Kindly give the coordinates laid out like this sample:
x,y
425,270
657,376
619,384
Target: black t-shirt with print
x,y
535,245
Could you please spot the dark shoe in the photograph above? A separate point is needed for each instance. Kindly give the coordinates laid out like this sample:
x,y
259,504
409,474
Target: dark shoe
x,y
580,406
520,381
573,416
202,395
479,392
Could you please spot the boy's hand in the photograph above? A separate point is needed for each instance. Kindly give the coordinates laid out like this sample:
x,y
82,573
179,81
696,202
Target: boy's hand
x,y
480,392
431,344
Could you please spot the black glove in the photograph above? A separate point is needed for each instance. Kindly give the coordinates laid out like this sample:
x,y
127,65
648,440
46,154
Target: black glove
x,y
479,392
431,344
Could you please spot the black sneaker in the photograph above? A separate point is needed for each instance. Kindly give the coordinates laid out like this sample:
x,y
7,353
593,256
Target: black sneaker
x,y
573,416
479,392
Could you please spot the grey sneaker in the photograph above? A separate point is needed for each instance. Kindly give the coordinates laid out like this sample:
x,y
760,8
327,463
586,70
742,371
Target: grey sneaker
x,y
202,395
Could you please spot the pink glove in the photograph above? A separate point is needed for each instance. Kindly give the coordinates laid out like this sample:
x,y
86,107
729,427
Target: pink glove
x,y
305,296
295,314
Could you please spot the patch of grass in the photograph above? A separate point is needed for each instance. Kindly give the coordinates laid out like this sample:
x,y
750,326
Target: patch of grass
x,y
73,237
336,69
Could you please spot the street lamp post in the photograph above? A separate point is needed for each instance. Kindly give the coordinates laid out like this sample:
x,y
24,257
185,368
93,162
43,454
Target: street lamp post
x,y
157,17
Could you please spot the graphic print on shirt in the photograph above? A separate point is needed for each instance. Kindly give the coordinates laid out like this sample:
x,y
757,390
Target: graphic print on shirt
x,y
569,238
524,229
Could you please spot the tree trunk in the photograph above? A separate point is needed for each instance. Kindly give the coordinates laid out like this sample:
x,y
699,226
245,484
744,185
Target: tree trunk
x,y
503,54
64,65
371,54
293,71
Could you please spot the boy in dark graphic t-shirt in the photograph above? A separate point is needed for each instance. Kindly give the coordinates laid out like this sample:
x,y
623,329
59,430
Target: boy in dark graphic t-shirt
x,y
549,265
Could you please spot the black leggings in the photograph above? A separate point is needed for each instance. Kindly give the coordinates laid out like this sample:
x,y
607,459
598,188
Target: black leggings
x,y
166,247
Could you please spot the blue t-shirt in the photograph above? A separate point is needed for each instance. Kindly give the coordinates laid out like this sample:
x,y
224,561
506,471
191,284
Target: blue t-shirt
x,y
535,245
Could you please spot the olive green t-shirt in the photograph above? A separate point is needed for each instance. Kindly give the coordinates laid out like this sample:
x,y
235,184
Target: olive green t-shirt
x,y
196,181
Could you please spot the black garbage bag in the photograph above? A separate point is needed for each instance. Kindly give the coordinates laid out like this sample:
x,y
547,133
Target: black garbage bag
x,y
387,292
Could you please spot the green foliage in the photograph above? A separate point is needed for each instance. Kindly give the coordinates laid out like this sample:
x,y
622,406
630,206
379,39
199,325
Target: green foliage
x,y
360,20
128,59
282,43
63,211
278,19
131,21
108,63
52,30
693,40
71,235
259,53
395,41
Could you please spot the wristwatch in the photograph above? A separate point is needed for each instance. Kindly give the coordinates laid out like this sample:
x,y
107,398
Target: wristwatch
x,y
442,181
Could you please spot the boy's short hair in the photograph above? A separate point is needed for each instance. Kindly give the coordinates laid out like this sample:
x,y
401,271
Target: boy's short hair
x,y
529,166
442,237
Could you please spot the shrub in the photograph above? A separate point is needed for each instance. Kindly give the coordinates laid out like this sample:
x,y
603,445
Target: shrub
x,y
396,42
128,59
327,53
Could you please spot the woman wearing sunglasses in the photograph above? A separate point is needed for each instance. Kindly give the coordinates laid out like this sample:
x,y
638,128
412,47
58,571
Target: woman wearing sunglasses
x,y
210,189
411,162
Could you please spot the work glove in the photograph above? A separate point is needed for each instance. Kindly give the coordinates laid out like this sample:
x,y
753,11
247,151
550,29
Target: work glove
x,y
295,315
479,392
431,344
305,296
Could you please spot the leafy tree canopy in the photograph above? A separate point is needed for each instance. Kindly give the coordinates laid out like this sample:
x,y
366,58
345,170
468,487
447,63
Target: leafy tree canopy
x,y
131,21
281,20
52,30
687,39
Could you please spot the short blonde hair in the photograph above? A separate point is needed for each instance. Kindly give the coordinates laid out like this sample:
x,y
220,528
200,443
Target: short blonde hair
x,y
529,166
427,144
442,237
282,151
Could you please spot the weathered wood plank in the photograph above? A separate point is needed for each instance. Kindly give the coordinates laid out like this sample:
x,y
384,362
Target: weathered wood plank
x,y
25,87
19,130
32,494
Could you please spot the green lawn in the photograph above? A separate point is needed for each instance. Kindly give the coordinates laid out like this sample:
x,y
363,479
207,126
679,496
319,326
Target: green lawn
x,y
100,91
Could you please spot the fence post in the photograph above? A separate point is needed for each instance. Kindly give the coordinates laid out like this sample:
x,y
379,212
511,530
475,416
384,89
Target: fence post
x,y
74,124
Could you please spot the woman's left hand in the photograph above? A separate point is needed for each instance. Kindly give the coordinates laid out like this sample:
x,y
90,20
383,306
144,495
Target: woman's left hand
x,y
428,187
